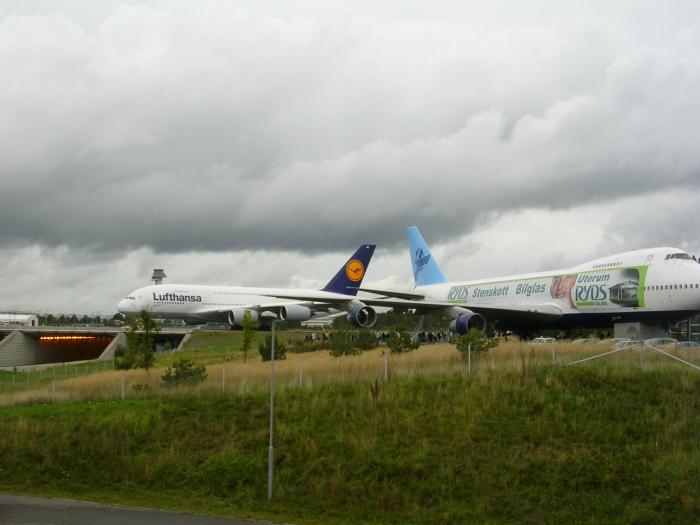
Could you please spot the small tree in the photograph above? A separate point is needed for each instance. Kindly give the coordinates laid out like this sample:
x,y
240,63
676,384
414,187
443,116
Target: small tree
x,y
139,342
401,342
341,344
183,372
265,349
250,325
476,340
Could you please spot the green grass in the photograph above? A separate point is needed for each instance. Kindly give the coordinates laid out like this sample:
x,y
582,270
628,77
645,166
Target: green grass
x,y
580,445
211,347
11,381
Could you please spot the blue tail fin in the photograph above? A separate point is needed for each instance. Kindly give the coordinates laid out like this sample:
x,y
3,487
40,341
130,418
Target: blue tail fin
x,y
349,277
425,269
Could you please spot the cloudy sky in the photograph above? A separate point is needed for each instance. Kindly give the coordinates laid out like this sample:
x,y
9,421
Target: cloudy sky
x,y
258,143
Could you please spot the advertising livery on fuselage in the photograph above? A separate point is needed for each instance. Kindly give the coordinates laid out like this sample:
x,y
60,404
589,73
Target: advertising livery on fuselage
x,y
573,292
654,285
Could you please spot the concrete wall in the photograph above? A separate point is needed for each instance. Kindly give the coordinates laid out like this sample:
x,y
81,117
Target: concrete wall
x,y
112,347
18,349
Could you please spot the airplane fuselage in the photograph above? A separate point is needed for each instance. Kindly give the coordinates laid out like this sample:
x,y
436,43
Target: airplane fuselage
x,y
199,302
653,285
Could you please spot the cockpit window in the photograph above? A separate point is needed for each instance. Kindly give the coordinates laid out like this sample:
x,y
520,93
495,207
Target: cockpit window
x,y
129,297
677,256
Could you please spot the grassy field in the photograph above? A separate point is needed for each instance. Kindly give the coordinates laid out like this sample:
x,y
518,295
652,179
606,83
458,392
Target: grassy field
x,y
205,347
227,371
515,441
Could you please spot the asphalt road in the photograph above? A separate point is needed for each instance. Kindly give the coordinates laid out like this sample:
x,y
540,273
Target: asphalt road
x,y
28,510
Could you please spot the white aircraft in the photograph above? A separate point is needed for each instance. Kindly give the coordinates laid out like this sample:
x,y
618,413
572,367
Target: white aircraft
x,y
654,286
198,303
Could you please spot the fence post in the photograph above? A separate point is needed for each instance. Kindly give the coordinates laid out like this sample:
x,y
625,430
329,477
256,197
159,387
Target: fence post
x,y
641,354
554,355
301,374
53,391
386,368
223,379
13,378
28,372
122,385
469,358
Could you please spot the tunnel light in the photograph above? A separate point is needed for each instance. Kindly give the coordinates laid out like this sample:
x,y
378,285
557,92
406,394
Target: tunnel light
x,y
66,337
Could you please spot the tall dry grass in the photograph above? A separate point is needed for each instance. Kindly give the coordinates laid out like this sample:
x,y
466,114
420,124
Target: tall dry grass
x,y
313,369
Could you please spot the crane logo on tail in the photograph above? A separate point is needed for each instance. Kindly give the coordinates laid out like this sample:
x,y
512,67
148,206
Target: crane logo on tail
x,y
421,259
355,270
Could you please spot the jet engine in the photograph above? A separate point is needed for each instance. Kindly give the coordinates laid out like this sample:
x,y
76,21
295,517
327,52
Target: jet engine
x,y
466,321
362,316
235,316
295,312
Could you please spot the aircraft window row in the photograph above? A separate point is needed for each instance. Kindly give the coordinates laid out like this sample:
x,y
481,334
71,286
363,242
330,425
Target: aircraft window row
x,y
606,265
677,256
671,287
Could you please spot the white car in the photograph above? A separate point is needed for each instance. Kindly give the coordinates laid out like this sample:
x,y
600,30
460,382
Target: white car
x,y
543,340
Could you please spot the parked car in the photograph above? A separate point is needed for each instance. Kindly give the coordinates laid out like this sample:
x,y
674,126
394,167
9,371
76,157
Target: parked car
x,y
542,340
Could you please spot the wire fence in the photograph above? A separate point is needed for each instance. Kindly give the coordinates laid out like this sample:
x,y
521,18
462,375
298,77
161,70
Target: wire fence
x,y
100,381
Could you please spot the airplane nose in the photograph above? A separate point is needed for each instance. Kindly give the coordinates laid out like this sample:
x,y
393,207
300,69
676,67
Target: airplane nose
x,y
123,306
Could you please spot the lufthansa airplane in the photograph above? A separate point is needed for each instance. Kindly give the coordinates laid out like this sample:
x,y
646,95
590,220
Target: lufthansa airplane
x,y
654,286
196,303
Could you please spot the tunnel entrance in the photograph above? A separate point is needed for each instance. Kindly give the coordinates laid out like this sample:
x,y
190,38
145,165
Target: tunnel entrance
x,y
67,348
43,345
166,342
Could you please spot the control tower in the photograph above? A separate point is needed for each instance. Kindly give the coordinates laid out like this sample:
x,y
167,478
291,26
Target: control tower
x,y
158,276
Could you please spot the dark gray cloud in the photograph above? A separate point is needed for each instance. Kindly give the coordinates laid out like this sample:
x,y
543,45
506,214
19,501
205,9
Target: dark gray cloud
x,y
229,128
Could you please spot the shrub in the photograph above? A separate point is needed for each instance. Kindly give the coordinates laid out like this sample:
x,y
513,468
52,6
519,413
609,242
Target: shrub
x,y
182,372
400,342
476,339
341,344
365,339
265,349
300,347
123,359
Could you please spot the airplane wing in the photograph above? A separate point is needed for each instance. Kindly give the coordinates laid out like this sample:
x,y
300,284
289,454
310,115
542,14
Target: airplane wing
x,y
316,296
316,301
393,293
539,312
